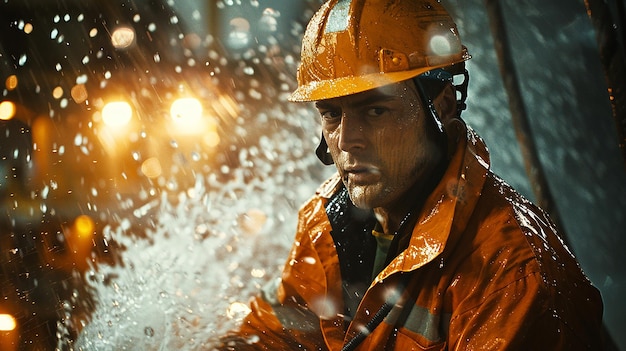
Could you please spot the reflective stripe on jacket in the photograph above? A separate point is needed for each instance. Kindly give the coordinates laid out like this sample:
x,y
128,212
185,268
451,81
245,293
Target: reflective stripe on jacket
x,y
486,272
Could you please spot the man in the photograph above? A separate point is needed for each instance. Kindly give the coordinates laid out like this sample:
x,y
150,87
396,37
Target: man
x,y
414,244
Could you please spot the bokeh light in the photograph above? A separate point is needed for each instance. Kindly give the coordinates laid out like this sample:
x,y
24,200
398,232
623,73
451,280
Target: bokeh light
x,y
239,34
7,110
123,37
151,167
84,226
440,45
186,111
79,93
7,322
57,92
117,113
11,82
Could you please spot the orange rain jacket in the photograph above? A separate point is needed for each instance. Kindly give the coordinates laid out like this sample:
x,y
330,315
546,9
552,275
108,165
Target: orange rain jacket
x,y
486,272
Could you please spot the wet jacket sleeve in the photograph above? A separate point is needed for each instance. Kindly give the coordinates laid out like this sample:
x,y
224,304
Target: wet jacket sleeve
x,y
263,330
522,316
280,318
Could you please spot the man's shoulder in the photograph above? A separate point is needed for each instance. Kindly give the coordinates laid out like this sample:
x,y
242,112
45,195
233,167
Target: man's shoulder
x,y
511,221
501,206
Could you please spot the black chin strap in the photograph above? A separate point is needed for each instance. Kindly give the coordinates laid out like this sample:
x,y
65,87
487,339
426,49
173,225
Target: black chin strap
x,y
432,115
322,152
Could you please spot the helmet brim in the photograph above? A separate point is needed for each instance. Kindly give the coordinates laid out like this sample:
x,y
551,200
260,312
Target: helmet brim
x,y
344,86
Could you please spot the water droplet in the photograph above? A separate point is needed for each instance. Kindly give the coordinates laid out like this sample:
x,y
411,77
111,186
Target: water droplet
x,y
148,331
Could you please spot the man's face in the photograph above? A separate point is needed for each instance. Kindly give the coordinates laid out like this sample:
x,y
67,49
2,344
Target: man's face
x,y
380,142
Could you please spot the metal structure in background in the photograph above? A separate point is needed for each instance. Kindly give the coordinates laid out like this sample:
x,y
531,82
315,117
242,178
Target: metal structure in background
x,y
613,61
611,33
521,124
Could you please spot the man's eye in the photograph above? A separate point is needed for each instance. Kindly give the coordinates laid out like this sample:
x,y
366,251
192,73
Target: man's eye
x,y
376,111
332,114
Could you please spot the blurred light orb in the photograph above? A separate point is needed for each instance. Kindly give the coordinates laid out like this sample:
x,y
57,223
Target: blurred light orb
x,y
28,28
151,168
11,82
7,322
186,109
440,45
211,138
57,92
192,41
7,110
252,221
187,114
237,310
84,226
123,37
258,272
268,21
239,33
116,113
325,308
79,93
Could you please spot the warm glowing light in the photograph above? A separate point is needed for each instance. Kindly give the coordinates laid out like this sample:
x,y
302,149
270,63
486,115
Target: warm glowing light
x,y
187,114
84,226
211,138
79,93
117,114
226,105
57,92
7,110
7,322
28,28
151,167
11,82
186,109
237,310
123,37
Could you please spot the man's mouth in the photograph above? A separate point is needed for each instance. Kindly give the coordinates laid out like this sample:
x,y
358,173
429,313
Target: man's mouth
x,y
361,174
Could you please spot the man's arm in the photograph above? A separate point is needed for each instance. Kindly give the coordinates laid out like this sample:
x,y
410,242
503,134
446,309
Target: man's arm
x,y
281,317
274,327
525,315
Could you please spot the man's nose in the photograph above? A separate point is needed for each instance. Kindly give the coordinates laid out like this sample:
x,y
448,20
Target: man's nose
x,y
351,134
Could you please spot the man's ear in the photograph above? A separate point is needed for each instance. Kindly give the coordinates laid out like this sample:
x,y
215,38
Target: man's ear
x,y
445,104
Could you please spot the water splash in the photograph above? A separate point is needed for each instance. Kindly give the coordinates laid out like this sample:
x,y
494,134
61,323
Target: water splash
x,y
208,250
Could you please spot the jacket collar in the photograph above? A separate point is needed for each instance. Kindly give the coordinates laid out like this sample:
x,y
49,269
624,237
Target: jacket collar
x,y
449,206
329,187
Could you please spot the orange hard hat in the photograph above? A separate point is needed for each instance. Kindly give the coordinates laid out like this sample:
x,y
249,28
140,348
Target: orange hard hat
x,y
351,46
